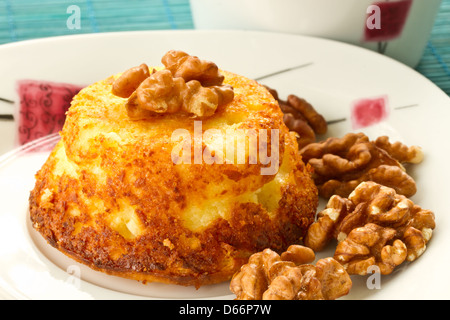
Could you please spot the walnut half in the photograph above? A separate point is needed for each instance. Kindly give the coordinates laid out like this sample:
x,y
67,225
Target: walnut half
x,y
187,85
301,117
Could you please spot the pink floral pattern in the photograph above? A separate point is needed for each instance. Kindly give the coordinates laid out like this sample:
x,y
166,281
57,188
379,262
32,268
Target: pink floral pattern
x,y
42,107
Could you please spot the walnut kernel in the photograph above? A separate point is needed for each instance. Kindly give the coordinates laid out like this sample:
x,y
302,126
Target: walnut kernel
x,y
301,117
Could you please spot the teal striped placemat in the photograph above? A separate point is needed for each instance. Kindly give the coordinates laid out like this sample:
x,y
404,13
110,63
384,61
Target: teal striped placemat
x,y
29,19
435,63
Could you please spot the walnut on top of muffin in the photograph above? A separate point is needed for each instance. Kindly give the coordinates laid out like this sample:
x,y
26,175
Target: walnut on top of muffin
x,y
187,85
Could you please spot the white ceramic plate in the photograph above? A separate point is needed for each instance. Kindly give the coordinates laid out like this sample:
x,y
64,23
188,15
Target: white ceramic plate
x,y
331,75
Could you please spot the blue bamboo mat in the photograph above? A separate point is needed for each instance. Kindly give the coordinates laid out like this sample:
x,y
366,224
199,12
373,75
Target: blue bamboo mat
x,y
435,63
29,19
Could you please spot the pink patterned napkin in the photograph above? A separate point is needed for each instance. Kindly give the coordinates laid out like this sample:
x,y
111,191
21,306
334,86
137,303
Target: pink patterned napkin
x,y
42,108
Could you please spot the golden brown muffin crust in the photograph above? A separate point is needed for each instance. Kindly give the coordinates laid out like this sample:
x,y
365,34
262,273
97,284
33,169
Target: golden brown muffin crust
x,y
110,195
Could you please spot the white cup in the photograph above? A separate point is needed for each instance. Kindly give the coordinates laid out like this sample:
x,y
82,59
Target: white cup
x,y
397,28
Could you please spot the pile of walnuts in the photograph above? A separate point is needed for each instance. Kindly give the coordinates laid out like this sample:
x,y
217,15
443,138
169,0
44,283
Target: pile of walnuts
x,y
374,226
341,164
269,276
369,214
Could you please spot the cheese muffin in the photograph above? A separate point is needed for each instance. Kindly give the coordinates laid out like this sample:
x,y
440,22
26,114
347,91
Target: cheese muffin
x,y
171,197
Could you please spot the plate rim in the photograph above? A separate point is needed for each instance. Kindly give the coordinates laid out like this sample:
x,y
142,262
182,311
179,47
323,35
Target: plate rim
x,y
208,32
